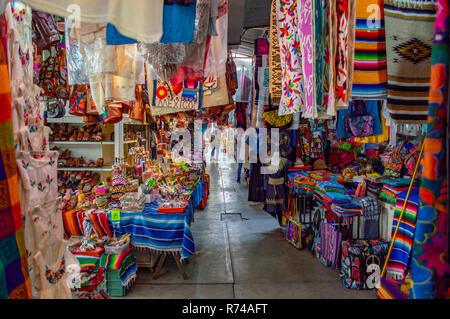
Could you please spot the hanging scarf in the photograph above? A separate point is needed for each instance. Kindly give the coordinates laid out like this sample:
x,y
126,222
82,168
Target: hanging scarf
x,y
274,56
14,277
342,32
409,36
428,265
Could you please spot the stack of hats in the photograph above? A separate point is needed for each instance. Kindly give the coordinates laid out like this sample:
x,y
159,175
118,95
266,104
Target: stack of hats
x,y
102,195
118,185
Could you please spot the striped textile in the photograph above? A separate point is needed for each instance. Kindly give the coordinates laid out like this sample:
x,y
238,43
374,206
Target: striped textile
x,y
100,224
430,270
398,264
14,277
125,263
391,289
370,73
73,223
409,36
161,232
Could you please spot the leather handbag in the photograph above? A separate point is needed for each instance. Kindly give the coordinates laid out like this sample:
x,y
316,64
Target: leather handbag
x,y
113,114
137,107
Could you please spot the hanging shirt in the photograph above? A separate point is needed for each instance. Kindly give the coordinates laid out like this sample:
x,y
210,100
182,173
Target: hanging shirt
x,y
178,23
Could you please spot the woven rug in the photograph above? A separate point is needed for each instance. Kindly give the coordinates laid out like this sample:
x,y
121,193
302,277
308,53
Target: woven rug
x,y
14,278
428,265
409,36
274,56
398,264
370,73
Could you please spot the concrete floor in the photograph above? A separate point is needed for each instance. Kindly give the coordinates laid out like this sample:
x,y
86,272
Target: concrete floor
x,y
241,258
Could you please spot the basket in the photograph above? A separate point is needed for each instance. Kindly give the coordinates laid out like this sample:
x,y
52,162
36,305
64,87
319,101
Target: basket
x,y
116,250
175,210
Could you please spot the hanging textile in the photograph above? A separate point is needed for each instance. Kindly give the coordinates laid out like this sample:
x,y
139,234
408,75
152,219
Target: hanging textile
x,y
409,36
398,264
216,59
321,56
307,46
429,266
290,56
178,23
14,277
274,56
143,20
370,73
342,34
186,95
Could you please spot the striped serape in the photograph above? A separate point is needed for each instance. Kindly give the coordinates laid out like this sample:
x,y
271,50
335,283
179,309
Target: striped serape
x,y
370,73
125,263
398,263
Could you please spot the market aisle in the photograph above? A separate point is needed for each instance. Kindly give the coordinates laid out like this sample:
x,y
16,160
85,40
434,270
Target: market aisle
x,y
241,258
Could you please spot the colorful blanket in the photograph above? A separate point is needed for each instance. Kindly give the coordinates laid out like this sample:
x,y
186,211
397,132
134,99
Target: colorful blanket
x,y
392,289
14,277
125,263
74,225
398,264
428,265
370,73
409,36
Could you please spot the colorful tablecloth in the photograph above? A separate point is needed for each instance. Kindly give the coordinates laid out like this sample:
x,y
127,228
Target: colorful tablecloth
x,y
150,229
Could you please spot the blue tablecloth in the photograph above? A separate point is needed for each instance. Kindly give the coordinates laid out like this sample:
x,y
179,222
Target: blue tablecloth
x,y
161,232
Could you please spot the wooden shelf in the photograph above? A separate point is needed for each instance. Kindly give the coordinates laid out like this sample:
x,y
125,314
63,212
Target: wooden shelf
x,y
133,141
71,119
87,169
81,143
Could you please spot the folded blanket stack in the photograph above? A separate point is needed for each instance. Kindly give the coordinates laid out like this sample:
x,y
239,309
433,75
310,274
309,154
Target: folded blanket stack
x,y
393,187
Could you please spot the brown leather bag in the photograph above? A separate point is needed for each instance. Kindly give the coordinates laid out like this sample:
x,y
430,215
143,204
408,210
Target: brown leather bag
x,y
113,113
137,108
88,118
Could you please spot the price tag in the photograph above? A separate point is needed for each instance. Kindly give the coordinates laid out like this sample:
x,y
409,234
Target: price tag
x,y
115,215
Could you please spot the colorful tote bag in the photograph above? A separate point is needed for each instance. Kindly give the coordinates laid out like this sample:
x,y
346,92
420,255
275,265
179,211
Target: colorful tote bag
x,y
359,123
361,263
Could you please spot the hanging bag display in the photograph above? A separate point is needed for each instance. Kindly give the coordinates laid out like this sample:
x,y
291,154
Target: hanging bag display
x,y
394,166
359,123
113,113
361,262
272,119
78,100
137,107
45,30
